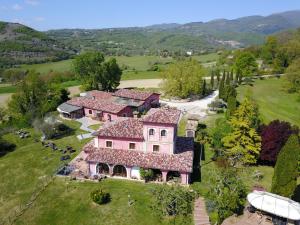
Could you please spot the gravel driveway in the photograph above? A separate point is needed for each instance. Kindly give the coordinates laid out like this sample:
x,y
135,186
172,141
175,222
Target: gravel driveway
x,y
198,107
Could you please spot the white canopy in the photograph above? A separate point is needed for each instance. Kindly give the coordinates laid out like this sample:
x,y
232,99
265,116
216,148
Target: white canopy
x,y
275,204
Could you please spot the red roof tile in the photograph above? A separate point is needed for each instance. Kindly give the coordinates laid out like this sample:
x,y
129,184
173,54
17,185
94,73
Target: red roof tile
x,y
97,104
100,94
122,128
181,161
133,94
162,115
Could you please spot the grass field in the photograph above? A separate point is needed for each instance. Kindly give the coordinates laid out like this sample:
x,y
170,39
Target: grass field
x,y
136,63
273,100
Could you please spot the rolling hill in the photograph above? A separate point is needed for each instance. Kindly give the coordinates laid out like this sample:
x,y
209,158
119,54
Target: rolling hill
x,y
21,44
196,36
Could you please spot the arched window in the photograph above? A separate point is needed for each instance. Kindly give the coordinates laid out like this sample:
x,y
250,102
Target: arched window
x,y
151,131
163,133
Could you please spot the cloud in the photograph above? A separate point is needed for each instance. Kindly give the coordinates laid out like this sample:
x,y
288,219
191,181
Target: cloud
x,y
32,2
17,7
39,19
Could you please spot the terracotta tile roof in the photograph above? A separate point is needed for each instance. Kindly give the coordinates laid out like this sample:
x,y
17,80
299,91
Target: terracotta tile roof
x,y
133,94
162,115
99,94
181,161
122,128
97,104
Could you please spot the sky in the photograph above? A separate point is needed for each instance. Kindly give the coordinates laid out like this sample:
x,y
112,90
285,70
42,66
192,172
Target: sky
x,y
55,14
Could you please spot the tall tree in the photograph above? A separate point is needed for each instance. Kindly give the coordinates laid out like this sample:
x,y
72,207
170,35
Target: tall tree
x,y
245,64
212,79
243,144
293,75
222,86
180,79
284,181
95,73
274,136
218,77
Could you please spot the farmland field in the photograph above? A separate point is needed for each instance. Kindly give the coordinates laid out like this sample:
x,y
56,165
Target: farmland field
x,y
273,100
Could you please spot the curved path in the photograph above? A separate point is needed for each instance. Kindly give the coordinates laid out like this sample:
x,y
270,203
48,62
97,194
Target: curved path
x,y
198,107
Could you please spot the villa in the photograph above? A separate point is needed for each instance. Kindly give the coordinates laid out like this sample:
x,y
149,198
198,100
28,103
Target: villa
x,y
106,106
122,147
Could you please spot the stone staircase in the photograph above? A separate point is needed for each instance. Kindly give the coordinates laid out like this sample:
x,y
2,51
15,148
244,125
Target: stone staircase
x,y
200,214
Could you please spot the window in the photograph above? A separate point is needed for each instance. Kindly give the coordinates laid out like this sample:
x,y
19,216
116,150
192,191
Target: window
x,y
90,111
151,131
131,145
108,144
124,115
155,148
108,117
163,133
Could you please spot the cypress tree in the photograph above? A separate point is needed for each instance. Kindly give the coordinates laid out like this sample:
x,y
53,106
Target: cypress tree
x,y
212,79
218,77
221,87
231,101
203,88
231,76
284,180
227,82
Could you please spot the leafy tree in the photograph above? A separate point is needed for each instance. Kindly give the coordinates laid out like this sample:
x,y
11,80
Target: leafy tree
x,y
172,200
14,75
274,136
227,194
245,64
34,98
96,73
243,144
284,180
293,75
270,49
221,129
184,78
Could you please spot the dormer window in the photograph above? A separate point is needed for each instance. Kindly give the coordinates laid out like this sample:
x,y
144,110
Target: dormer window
x,y
163,133
151,132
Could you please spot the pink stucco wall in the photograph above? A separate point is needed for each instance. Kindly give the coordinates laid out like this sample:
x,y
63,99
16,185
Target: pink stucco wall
x,y
106,115
119,143
166,144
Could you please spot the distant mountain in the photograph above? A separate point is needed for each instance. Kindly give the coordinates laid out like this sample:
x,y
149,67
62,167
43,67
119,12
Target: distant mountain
x,y
21,44
196,36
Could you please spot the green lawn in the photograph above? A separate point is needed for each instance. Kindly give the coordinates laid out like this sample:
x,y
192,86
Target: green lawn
x,y
8,89
273,101
207,57
60,66
136,75
68,202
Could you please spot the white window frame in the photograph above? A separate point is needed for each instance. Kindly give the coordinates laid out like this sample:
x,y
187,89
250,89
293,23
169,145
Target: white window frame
x,y
165,131
149,132
134,146
112,143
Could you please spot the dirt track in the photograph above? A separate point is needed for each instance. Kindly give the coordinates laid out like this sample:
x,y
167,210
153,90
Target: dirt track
x,y
4,98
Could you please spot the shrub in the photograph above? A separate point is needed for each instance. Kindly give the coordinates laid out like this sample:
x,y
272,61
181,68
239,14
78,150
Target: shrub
x,y
100,196
172,200
146,174
274,136
286,169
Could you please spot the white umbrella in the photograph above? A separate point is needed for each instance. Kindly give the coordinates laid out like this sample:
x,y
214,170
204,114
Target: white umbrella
x,y
275,204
